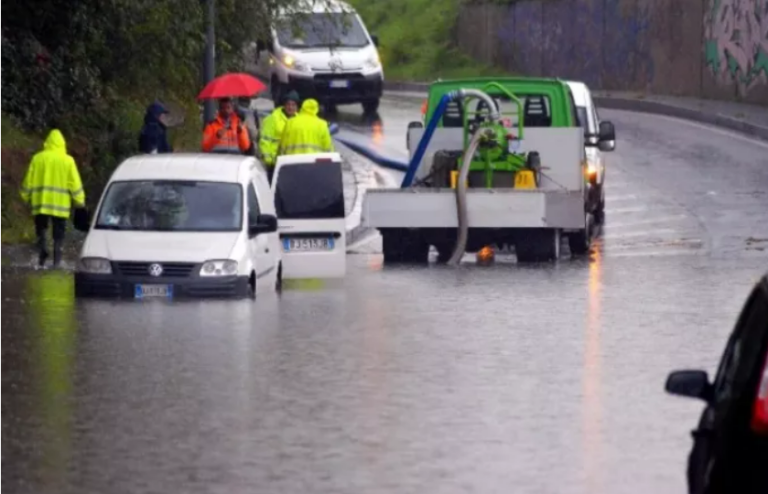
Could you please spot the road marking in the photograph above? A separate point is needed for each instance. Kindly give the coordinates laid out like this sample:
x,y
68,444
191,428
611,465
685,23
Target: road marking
x,y
717,130
642,233
688,243
626,197
649,221
654,253
636,209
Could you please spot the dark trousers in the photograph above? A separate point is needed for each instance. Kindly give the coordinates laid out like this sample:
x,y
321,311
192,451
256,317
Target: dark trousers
x,y
58,227
270,173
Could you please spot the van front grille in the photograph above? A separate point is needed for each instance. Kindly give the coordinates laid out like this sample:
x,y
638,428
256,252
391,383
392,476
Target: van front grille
x,y
170,269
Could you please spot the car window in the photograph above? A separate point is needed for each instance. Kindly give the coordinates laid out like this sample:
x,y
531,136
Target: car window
x,y
310,191
743,353
253,205
171,205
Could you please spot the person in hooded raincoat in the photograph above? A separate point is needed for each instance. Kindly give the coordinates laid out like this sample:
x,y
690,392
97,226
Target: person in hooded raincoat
x,y
306,132
153,138
50,187
272,130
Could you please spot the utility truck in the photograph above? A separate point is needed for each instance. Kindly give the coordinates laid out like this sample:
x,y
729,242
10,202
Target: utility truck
x,y
500,163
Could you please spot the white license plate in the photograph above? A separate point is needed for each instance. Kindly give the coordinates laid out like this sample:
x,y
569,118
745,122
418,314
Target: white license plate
x,y
307,244
339,83
142,291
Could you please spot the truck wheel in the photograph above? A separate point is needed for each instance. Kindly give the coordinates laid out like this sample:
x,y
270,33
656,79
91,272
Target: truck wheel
x,y
580,242
538,245
404,246
370,106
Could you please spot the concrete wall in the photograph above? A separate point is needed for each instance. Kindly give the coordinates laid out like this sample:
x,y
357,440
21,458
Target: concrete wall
x,y
700,48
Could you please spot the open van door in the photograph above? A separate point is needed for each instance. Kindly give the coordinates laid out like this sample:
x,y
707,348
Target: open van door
x,y
309,199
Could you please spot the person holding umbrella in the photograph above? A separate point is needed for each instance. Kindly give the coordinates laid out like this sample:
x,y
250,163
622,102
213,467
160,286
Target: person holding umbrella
x,y
227,132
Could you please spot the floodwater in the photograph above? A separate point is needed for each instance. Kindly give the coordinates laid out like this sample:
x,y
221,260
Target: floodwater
x,y
501,379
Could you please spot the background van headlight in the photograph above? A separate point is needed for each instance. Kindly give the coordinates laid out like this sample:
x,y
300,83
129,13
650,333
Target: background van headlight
x,y
290,62
373,62
225,267
94,265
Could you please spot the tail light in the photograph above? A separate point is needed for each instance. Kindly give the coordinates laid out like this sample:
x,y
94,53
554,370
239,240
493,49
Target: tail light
x,y
760,410
424,107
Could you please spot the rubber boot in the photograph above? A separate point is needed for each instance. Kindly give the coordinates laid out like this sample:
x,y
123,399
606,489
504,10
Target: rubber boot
x,y
57,252
42,251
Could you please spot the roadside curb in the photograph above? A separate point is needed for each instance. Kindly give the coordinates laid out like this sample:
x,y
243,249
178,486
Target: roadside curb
x,y
640,106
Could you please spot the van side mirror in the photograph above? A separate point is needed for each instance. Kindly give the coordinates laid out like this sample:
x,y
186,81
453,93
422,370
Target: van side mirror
x,y
375,40
689,383
81,219
265,223
606,137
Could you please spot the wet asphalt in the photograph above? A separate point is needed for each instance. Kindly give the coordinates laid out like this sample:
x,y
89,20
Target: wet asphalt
x,y
501,379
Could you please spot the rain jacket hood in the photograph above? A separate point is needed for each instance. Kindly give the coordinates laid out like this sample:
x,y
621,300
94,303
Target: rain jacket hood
x,y
310,107
153,113
52,183
55,142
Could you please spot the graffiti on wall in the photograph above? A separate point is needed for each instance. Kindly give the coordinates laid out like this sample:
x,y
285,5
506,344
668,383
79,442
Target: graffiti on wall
x,y
736,41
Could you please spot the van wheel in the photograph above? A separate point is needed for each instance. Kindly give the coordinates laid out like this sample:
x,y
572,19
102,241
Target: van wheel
x,y
404,246
252,285
370,106
538,245
278,90
580,242
279,280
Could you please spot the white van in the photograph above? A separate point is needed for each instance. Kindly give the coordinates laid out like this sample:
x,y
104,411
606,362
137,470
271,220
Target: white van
x,y
323,51
309,199
589,120
178,225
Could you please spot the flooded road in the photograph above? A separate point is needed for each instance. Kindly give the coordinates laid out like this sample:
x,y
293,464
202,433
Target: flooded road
x,y
537,379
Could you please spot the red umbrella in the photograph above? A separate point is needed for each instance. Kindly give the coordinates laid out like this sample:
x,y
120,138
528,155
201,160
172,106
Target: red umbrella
x,y
234,85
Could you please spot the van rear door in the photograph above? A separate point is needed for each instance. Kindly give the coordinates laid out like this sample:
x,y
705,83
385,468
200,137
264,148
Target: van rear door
x,y
309,200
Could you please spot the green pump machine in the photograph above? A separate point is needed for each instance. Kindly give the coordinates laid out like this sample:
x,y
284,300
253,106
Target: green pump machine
x,y
498,161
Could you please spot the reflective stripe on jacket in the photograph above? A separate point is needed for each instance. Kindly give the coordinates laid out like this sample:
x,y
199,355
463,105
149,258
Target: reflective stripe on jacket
x,y
271,131
52,182
234,140
306,132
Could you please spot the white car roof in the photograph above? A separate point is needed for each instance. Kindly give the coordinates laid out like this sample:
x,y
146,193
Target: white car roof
x,y
185,166
580,92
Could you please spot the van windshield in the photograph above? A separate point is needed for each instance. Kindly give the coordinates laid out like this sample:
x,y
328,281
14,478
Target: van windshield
x,y
179,206
321,30
310,191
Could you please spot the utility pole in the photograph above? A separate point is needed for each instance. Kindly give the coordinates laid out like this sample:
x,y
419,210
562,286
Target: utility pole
x,y
209,64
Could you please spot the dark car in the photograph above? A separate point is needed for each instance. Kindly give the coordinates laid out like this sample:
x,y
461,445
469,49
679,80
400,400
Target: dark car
x,y
730,444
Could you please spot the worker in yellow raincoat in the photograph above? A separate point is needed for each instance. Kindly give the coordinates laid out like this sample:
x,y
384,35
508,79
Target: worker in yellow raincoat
x,y
272,129
306,132
50,187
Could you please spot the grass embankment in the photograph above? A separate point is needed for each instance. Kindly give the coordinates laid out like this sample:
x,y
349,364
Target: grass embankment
x,y
95,163
417,42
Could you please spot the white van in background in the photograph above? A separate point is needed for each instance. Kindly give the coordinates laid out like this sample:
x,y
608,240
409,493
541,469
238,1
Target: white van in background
x,y
323,51
182,225
309,200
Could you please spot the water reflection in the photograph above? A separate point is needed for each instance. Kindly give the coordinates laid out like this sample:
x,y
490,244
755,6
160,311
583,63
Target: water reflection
x,y
53,326
592,404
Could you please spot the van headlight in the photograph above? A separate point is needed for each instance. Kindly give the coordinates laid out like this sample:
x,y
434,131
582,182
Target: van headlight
x,y
373,62
290,62
94,265
225,267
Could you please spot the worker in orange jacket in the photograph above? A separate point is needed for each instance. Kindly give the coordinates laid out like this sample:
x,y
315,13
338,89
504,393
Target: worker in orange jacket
x,y
226,133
